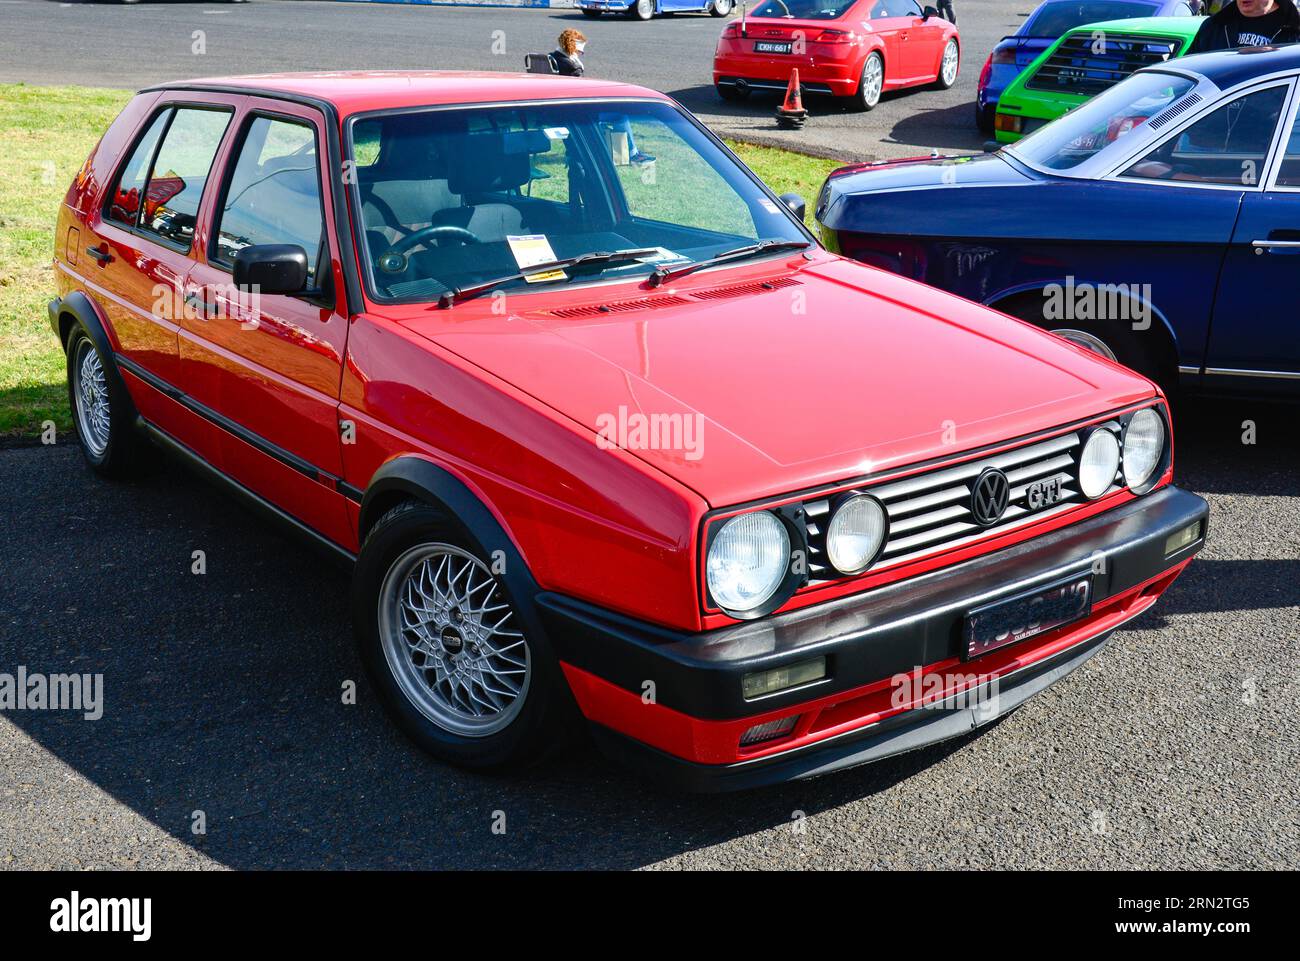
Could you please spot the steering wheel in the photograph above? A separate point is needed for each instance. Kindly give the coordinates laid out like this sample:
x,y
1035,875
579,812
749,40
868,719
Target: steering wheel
x,y
393,260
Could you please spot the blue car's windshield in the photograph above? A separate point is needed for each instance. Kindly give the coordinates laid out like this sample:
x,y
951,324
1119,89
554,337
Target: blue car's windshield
x,y
453,198
1054,19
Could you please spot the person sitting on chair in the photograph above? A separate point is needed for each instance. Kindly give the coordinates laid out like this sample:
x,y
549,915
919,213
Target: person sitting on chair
x,y
568,62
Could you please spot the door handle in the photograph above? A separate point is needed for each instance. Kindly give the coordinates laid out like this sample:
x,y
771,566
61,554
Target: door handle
x,y
199,304
1263,245
101,253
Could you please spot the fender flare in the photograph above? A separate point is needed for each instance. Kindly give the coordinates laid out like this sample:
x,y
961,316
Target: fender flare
x,y
1041,285
83,311
421,479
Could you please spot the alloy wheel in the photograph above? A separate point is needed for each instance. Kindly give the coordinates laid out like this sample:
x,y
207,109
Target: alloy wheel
x,y
948,70
451,640
91,393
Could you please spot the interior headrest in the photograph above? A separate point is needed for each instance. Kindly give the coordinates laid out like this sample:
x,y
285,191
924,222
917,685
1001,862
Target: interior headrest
x,y
492,161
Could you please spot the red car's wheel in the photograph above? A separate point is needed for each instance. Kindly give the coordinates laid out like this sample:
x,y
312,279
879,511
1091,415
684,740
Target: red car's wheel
x,y
445,645
101,410
949,65
871,82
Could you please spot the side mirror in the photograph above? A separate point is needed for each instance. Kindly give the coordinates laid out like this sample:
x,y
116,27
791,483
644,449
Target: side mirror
x,y
992,146
272,268
795,203
928,12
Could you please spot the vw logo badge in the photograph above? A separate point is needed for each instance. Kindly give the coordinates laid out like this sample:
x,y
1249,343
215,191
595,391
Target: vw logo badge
x,y
989,497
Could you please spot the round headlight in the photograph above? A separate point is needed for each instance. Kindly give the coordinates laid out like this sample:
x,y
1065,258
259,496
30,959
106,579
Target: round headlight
x,y
748,560
1144,446
855,534
1099,463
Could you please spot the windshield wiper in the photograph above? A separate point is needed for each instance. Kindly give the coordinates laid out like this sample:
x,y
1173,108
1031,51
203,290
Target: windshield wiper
x,y
602,257
663,274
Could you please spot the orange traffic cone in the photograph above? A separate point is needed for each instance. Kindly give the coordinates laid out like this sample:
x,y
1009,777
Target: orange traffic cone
x,y
791,114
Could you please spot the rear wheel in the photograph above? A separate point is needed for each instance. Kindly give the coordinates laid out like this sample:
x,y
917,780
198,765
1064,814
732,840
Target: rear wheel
x,y
870,83
641,10
949,65
720,8
984,120
101,411
446,646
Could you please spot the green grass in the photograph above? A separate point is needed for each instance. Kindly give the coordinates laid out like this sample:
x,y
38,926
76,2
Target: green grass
x,y
47,132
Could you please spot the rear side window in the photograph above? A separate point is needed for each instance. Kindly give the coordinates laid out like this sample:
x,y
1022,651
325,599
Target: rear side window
x,y
180,171
124,200
274,192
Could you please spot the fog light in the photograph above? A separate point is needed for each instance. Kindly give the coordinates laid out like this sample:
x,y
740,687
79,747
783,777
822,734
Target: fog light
x,y
782,678
1188,535
769,730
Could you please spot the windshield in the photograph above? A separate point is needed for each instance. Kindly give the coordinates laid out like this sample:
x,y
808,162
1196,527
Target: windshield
x,y
804,9
1055,19
1091,128
453,198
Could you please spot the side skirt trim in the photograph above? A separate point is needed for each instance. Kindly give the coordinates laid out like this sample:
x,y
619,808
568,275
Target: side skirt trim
x,y
254,500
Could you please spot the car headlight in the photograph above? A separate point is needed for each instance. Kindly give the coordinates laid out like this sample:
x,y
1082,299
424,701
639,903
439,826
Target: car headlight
x,y
748,560
856,531
1098,463
1144,447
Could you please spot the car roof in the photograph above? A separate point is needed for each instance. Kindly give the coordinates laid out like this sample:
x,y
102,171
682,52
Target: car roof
x,y
1227,68
360,90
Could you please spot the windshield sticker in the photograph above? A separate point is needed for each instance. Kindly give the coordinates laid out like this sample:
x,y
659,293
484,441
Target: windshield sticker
x,y
556,133
529,251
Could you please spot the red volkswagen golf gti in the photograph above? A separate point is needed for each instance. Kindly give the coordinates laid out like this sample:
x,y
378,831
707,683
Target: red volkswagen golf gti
x,y
851,49
605,439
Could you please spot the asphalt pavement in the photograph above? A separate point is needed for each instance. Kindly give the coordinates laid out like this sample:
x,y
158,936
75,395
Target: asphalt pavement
x,y
1177,747
110,45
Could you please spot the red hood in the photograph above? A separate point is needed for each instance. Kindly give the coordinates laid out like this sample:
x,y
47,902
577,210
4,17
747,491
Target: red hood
x,y
839,370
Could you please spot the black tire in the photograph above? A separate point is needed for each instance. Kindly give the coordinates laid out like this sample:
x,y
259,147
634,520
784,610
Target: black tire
x,y
720,8
592,14
123,452
731,93
984,120
543,721
863,99
641,9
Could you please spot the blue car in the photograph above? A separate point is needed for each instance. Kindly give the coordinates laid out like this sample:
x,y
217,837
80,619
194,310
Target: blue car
x,y
1044,27
1158,224
645,9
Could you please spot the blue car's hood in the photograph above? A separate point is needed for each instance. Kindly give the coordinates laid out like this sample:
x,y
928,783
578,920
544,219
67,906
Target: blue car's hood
x,y
983,170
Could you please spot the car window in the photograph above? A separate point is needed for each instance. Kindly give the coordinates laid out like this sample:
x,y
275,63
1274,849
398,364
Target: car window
x,y
1228,146
894,8
680,187
180,171
1092,127
1288,174
803,9
1055,19
273,196
124,198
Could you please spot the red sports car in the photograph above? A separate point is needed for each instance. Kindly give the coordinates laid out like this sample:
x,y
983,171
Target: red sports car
x,y
852,49
602,436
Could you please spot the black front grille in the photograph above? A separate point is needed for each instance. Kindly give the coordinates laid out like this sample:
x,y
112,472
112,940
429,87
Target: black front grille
x,y
1086,65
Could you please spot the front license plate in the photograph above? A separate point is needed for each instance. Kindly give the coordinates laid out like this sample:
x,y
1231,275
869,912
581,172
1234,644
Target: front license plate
x,y
768,46
1017,618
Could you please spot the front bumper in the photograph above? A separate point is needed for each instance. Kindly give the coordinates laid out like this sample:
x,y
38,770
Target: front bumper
x,y
672,702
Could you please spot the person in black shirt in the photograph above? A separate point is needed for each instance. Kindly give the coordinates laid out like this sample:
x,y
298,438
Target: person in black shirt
x,y
1249,23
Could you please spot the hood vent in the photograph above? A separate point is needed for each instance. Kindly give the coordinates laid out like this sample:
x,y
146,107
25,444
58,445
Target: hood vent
x,y
595,310
741,290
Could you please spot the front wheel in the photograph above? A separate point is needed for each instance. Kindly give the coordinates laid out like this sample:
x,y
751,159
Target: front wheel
x,y
949,65
720,8
870,84
642,10
447,648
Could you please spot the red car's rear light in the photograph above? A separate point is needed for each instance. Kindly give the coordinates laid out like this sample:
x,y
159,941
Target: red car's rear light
x,y
731,30
904,257
835,36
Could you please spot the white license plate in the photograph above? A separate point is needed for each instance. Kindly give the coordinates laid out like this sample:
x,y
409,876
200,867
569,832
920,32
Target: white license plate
x,y
768,46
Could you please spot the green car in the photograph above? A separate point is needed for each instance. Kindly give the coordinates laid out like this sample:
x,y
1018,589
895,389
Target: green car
x,y
1083,63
